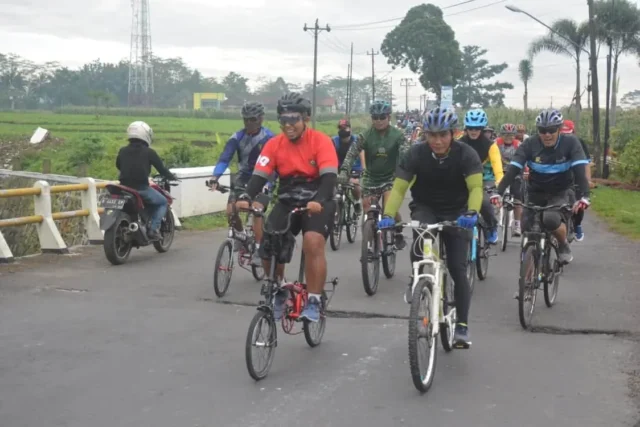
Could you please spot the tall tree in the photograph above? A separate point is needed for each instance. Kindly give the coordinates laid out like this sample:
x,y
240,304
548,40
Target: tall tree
x,y
236,85
425,44
474,87
574,38
525,71
619,20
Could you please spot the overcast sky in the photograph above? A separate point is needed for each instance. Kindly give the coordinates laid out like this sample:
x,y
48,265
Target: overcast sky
x,y
265,38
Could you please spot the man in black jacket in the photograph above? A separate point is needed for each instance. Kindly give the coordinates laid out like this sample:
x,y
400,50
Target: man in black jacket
x,y
134,162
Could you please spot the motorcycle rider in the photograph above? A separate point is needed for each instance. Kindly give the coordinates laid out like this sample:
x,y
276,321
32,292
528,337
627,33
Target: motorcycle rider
x,y
134,162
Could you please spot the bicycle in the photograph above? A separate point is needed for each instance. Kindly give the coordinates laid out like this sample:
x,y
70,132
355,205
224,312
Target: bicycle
x,y
434,290
483,247
345,216
506,221
224,263
280,246
376,244
537,265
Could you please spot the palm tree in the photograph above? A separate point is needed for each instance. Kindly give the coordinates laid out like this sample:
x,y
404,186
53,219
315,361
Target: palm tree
x,y
619,20
525,69
574,38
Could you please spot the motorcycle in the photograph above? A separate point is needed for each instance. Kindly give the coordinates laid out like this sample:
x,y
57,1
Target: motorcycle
x,y
125,221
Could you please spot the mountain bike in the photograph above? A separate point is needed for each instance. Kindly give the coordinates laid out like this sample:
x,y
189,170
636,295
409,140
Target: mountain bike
x,y
376,245
506,221
433,310
280,244
345,215
224,264
539,263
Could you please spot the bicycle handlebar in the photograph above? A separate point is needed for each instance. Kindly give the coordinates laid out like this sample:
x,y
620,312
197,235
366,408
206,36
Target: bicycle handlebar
x,y
425,226
536,208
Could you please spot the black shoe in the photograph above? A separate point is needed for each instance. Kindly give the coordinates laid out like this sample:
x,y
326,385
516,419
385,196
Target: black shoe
x,y
400,242
461,337
564,254
154,235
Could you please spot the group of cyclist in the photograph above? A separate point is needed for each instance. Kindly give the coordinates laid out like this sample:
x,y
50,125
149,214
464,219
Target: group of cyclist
x,y
446,176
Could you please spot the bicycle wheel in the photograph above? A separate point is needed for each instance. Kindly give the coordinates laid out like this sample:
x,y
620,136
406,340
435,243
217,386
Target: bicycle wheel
x,y
336,230
482,254
388,258
447,329
314,331
527,286
351,221
420,325
370,258
258,272
223,268
471,268
551,275
506,218
263,341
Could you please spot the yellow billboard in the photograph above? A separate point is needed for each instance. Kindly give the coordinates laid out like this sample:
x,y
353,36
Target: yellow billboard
x,y
207,100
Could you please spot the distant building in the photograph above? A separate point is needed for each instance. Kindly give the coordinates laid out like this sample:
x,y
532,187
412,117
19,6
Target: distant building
x,y
208,101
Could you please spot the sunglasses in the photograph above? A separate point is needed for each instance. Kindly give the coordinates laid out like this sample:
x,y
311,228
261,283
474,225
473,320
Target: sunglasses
x,y
549,130
289,120
441,134
379,116
475,128
250,120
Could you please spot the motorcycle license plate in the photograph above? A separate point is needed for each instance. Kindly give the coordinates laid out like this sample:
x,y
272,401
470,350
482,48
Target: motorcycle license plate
x,y
113,203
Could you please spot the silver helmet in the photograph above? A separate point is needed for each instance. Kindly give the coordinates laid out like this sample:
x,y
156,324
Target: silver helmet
x,y
140,130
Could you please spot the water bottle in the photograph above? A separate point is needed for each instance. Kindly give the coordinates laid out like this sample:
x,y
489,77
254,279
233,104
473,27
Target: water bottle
x,y
427,248
474,244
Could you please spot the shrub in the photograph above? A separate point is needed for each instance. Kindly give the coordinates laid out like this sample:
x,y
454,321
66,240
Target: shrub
x,y
85,149
629,167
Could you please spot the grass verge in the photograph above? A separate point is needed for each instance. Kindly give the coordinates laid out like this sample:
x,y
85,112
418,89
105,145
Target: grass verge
x,y
621,209
214,221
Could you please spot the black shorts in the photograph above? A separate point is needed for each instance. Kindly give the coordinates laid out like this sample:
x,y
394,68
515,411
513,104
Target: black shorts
x,y
553,218
239,187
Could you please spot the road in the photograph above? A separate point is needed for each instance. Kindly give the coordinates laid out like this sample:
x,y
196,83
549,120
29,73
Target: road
x,y
147,344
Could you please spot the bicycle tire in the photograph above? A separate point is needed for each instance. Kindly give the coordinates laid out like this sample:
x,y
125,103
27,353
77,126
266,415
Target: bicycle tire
x,y
312,340
448,305
482,254
271,345
369,235
551,286
334,240
257,272
471,269
529,252
221,288
422,384
388,260
506,217
351,222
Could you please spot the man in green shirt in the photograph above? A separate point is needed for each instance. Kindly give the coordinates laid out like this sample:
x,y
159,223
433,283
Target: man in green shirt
x,y
383,147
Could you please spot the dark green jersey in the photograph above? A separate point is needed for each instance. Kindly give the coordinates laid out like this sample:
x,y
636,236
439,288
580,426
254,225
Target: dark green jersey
x,y
382,153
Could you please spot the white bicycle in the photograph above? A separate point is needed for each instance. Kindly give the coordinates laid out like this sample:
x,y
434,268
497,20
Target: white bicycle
x,y
433,298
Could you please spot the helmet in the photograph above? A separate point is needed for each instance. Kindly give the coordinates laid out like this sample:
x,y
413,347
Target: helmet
x,y
549,118
140,130
440,119
294,103
508,129
521,128
568,127
252,109
476,119
380,107
344,123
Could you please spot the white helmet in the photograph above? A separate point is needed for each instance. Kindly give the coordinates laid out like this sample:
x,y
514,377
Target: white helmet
x,y
140,130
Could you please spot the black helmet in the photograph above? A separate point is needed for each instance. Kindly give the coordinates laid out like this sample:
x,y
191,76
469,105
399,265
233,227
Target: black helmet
x,y
294,103
380,107
252,109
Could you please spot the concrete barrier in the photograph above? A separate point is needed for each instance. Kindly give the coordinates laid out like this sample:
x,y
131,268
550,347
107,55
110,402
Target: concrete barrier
x,y
192,197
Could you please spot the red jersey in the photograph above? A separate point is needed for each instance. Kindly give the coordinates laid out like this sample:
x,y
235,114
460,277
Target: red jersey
x,y
500,142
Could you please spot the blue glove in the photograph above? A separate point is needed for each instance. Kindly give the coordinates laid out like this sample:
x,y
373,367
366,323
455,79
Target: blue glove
x,y
386,222
467,220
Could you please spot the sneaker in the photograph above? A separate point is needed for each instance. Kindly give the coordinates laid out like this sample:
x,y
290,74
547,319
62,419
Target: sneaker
x,y
579,233
461,337
400,242
492,238
154,235
279,304
357,208
517,231
564,254
256,260
311,311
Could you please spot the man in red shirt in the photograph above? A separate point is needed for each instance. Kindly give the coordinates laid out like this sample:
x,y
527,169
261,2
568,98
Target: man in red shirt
x,y
508,144
306,163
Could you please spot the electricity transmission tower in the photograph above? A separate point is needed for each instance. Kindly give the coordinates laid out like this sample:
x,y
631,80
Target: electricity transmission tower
x,y
140,57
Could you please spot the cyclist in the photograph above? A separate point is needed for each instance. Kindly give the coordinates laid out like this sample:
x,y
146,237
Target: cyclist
x,y
247,144
343,142
508,144
383,145
447,187
134,162
554,159
569,128
521,134
489,133
475,124
306,163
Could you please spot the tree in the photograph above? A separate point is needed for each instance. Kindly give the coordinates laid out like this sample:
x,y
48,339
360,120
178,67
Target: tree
x,y
525,70
236,85
621,22
425,44
575,39
273,88
631,99
473,88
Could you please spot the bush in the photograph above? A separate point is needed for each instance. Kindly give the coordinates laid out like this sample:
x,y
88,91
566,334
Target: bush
x,y
629,167
85,149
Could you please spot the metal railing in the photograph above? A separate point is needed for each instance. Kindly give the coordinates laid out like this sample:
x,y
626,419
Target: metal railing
x,y
44,218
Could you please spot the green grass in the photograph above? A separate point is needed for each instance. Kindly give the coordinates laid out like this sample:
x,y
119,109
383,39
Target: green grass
x,y
205,222
620,208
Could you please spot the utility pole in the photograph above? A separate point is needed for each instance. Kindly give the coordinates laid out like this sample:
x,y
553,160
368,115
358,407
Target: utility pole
x,y
407,84
373,74
350,83
316,30
595,91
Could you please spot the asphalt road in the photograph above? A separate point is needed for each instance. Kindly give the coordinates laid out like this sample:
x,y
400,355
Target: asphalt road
x,y
146,344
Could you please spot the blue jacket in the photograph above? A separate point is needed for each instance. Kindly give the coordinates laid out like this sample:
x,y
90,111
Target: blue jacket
x,y
247,147
356,165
